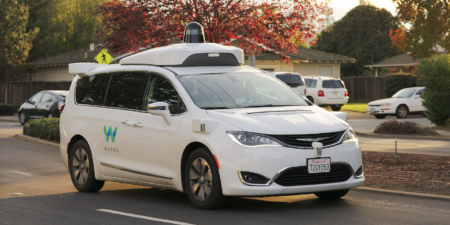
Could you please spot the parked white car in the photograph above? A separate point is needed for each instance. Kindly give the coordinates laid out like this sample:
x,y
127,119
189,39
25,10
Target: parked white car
x,y
294,80
190,117
326,91
404,102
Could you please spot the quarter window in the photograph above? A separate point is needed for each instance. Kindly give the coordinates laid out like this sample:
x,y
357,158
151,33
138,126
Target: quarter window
x,y
161,90
125,90
91,90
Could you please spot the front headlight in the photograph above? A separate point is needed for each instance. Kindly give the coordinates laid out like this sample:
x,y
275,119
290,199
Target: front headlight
x,y
350,136
385,104
252,140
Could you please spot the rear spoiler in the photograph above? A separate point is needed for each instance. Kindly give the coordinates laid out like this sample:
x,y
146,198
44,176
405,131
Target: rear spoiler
x,y
82,69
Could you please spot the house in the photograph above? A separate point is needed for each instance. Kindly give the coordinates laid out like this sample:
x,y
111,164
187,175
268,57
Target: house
x,y
305,62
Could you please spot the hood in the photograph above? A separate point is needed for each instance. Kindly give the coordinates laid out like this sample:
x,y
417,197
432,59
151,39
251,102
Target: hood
x,y
282,120
387,100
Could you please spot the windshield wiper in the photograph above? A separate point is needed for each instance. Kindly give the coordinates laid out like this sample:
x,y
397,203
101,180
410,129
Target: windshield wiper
x,y
268,105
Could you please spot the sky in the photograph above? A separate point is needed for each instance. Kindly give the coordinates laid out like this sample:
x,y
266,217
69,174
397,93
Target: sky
x,y
341,7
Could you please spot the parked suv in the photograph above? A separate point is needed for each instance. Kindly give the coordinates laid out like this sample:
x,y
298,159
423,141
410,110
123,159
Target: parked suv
x,y
326,91
192,118
43,104
294,80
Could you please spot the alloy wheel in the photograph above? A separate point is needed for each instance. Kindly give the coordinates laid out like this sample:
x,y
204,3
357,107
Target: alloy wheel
x,y
200,178
402,112
80,166
22,118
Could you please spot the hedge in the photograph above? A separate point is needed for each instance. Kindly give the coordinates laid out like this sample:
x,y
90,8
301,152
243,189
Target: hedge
x,y
396,82
47,129
8,109
434,74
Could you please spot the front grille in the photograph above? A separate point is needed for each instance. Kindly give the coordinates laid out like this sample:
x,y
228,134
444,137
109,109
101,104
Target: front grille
x,y
375,105
291,140
297,176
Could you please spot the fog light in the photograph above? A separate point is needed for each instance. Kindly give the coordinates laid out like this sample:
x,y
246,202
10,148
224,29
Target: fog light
x,y
253,178
359,172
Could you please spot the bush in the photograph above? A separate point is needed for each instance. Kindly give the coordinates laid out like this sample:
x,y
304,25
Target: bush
x,y
434,74
396,82
47,129
8,109
404,128
447,123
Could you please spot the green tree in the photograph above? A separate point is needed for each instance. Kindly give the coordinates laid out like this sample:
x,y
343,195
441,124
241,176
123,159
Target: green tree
x,y
362,34
15,42
434,74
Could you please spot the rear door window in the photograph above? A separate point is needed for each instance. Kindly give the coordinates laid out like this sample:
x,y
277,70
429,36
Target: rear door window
x,y
333,84
91,90
125,90
47,97
293,80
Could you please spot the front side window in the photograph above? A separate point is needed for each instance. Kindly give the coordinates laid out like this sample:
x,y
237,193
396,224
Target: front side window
x,y
293,80
239,90
125,90
91,90
333,84
36,98
47,97
161,90
419,92
406,93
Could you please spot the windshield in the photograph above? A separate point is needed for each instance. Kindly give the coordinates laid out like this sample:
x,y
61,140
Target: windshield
x,y
406,93
291,80
333,84
239,90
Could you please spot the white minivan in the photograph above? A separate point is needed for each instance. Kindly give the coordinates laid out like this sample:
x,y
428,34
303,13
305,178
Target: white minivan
x,y
293,80
190,117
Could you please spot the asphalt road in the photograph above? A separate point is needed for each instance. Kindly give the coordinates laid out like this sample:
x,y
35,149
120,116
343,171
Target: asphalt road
x,y
35,188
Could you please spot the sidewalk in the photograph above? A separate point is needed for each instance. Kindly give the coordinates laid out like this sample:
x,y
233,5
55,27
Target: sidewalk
x,y
14,118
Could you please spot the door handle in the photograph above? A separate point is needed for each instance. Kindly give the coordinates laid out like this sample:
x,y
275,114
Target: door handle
x,y
138,124
126,122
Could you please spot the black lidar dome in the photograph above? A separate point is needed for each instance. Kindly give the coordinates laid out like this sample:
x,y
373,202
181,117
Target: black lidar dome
x,y
193,33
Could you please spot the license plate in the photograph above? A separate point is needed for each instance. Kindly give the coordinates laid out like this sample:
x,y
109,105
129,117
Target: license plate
x,y
319,165
335,93
372,110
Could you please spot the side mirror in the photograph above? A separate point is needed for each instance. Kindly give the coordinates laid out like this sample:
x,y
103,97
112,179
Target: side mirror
x,y
160,109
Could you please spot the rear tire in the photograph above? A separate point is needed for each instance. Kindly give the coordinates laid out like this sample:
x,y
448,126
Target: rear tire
x,y
336,107
332,194
401,112
202,181
81,168
380,116
310,99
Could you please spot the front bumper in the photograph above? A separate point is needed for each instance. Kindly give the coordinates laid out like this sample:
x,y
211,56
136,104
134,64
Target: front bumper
x,y
270,162
376,110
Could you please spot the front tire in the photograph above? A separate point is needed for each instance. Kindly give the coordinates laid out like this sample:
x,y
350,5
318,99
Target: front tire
x,y
401,112
332,194
380,116
202,181
22,118
81,168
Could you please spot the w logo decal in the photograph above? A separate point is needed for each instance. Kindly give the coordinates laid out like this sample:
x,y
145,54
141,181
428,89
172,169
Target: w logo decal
x,y
110,133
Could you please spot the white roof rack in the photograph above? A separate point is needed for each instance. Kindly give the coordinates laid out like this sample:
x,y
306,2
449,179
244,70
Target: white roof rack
x,y
188,54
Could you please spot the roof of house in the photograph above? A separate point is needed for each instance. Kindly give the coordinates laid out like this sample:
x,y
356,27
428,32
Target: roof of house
x,y
74,56
398,60
307,54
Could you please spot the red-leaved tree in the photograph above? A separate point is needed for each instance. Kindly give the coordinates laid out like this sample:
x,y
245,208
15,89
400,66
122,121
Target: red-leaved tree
x,y
279,26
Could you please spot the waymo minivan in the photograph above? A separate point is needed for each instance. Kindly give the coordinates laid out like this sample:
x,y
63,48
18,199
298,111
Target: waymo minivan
x,y
190,117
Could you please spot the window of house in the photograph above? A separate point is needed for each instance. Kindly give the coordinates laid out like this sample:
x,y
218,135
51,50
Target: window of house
x,y
325,70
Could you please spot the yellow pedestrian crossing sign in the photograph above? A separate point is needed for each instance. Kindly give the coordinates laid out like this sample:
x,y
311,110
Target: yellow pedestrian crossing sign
x,y
103,57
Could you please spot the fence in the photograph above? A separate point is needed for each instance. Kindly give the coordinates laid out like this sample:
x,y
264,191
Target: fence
x,y
366,89
18,91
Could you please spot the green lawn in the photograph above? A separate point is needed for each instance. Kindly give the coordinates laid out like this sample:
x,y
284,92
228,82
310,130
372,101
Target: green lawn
x,y
357,107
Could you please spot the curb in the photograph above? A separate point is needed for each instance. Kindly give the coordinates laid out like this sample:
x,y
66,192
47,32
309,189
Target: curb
x,y
413,194
9,120
392,136
35,140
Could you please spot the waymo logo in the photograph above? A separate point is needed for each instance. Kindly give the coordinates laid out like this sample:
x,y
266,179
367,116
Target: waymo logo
x,y
110,133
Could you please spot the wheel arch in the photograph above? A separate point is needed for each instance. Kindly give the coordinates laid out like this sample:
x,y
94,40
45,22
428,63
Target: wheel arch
x,y
191,147
74,140
402,104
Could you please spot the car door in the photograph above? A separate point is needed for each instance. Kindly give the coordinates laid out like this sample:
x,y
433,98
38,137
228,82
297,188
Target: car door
x,y
32,108
44,105
415,102
155,139
111,123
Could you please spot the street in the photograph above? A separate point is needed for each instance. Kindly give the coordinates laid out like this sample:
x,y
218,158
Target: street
x,y
35,188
